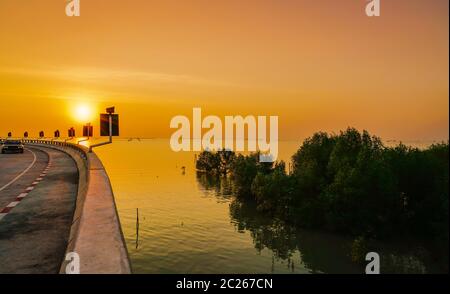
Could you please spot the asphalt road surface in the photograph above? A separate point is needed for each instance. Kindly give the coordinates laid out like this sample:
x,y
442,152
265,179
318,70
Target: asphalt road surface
x,y
37,200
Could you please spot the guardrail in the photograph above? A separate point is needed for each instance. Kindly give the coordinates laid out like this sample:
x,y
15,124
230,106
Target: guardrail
x,y
95,235
79,148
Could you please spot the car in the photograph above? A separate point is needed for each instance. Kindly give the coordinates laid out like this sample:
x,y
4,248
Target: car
x,y
12,146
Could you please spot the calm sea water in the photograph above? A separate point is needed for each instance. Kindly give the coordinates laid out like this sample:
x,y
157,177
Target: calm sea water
x,y
189,223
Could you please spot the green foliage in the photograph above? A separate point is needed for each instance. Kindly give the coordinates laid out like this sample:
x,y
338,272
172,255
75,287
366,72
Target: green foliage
x,y
208,162
244,171
272,190
422,182
310,164
215,163
349,183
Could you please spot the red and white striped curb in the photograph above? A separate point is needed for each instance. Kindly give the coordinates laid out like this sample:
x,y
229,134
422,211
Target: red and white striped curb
x,y
10,206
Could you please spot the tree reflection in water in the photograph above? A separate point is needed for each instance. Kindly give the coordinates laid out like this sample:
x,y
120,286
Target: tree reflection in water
x,y
222,186
319,252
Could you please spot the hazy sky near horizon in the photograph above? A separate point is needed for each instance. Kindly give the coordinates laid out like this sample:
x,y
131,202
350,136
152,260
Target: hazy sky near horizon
x,y
318,65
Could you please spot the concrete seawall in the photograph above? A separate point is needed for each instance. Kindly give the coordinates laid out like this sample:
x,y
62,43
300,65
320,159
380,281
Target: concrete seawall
x,y
95,235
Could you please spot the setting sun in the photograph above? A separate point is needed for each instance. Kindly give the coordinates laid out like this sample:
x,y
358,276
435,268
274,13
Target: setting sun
x,y
83,112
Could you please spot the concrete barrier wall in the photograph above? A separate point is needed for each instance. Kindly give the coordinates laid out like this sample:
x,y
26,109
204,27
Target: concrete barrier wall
x,y
96,235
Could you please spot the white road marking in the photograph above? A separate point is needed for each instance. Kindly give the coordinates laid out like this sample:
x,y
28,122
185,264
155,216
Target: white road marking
x,y
29,188
22,173
23,195
13,204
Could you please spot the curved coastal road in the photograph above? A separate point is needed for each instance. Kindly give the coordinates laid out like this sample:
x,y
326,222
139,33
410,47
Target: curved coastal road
x,y
37,200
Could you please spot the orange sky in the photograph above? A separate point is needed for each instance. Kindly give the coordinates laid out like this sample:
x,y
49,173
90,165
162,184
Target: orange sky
x,y
319,65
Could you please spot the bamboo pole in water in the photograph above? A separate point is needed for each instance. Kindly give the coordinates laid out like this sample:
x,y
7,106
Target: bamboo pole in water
x,y
137,227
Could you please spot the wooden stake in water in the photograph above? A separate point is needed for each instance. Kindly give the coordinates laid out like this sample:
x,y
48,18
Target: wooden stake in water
x,y
137,227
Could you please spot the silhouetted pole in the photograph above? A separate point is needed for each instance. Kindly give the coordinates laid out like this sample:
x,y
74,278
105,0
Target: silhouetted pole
x,y
110,111
137,227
